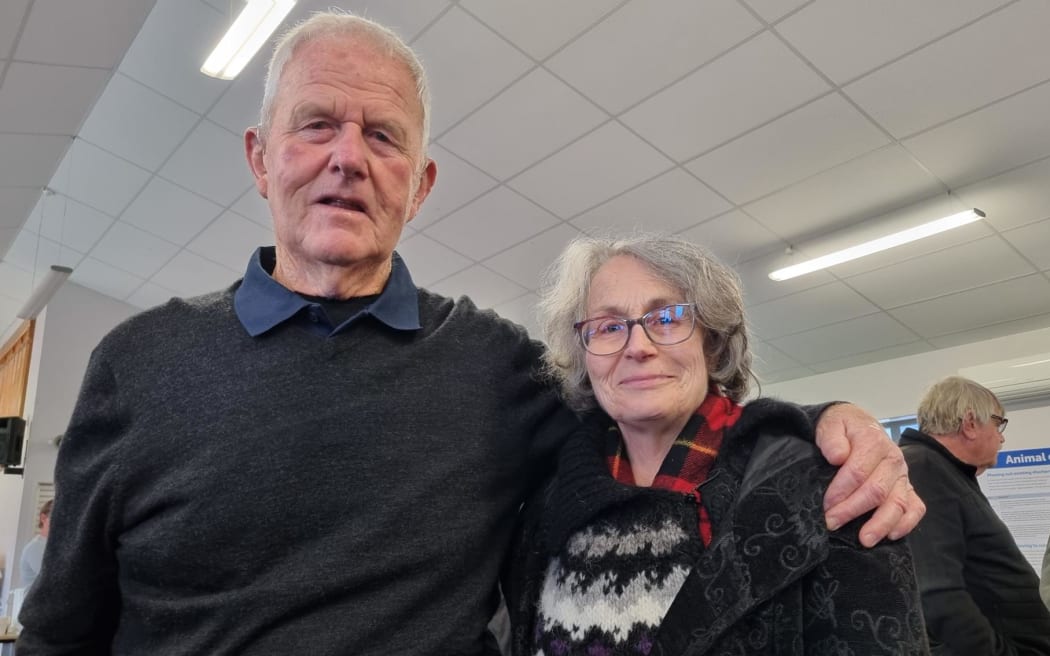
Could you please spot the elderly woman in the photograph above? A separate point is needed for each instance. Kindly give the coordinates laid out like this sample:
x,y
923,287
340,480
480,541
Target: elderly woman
x,y
678,521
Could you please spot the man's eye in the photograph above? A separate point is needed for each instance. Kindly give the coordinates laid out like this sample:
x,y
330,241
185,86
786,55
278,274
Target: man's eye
x,y
381,136
316,125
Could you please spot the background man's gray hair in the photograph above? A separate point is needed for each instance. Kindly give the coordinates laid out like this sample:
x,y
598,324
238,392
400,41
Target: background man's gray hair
x,y
945,403
689,268
339,23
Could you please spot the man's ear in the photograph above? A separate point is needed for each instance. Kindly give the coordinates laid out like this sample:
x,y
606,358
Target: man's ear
x,y
426,183
254,150
969,425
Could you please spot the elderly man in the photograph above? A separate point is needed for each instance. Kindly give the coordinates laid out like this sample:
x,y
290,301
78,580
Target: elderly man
x,y
323,458
979,593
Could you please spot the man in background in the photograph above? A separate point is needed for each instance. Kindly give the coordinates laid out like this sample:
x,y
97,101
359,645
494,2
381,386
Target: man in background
x,y
1044,582
33,552
979,593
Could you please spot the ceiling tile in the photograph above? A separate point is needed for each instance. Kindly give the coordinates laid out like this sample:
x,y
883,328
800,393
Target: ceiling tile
x,y
824,133
786,374
11,14
525,263
170,212
253,206
485,287
428,261
60,32
18,283
133,250
127,122
991,332
406,17
238,108
734,237
768,358
859,189
999,137
15,205
467,64
668,38
230,240
758,288
878,355
23,251
188,274
867,333
171,47
807,310
534,117
529,26
36,161
748,86
150,295
211,163
1013,199
976,308
72,224
49,99
961,72
669,203
1034,243
773,10
457,184
497,220
98,178
37,254
522,311
591,170
951,270
105,278
869,34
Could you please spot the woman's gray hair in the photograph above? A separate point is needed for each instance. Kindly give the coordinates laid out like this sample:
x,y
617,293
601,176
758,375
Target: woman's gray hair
x,y
944,405
337,23
686,266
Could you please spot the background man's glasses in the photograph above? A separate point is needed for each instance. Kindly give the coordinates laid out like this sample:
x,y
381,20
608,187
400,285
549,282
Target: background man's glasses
x,y
671,324
1000,423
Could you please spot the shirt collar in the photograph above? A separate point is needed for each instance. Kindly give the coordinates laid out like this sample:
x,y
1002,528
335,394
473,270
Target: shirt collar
x,y
261,303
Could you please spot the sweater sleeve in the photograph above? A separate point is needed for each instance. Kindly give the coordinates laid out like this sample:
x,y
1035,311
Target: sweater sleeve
x,y
74,603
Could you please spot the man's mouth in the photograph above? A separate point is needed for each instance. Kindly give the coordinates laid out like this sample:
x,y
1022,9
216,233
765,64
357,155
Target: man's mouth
x,y
346,204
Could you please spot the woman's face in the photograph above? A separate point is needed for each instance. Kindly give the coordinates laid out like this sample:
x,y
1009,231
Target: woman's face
x,y
645,385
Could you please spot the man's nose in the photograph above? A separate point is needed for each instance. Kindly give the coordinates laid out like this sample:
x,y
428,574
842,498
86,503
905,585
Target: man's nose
x,y
348,154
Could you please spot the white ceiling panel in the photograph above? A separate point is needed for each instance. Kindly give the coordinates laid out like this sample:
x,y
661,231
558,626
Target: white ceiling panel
x,y
149,295
36,161
105,278
529,26
546,115
170,212
429,261
230,240
758,288
15,204
975,308
599,165
39,254
492,223
48,99
1002,329
877,355
855,190
999,137
458,184
211,162
838,340
11,14
188,274
406,17
734,237
824,133
485,287
1000,55
467,64
870,34
61,32
1033,241
807,310
238,108
23,251
98,178
668,39
135,251
670,203
253,206
769,359
129,119
73,224
774,10
170,49
1012,199
786,374
18,283
951,270
522,311
525,263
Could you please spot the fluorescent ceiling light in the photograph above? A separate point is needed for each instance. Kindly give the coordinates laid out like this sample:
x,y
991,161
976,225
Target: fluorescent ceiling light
x,y
44,291
249,32
877,245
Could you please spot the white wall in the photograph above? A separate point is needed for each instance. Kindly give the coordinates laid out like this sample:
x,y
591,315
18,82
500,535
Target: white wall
x,y
74,322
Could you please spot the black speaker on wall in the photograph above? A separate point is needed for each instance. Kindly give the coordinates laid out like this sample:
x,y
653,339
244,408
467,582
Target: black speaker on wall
x,y
12,440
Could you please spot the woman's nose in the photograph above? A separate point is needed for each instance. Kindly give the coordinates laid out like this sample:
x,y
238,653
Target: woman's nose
x,y
638,343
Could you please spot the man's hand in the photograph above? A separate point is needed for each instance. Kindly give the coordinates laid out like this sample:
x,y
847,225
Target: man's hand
x,y
873,474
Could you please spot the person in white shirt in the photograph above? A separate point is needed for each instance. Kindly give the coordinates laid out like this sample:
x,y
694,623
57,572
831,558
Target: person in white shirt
x,y
33,553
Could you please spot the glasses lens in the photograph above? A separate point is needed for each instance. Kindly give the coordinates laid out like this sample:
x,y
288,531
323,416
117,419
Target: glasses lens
x,y
604,336
669,325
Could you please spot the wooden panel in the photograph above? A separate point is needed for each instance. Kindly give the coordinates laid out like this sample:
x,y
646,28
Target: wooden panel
x,y
14,371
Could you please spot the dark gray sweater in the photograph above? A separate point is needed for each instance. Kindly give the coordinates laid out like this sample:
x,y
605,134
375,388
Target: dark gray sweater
x,y
291,493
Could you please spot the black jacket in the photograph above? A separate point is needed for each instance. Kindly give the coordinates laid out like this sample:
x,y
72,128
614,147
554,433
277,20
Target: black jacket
x,y
979,594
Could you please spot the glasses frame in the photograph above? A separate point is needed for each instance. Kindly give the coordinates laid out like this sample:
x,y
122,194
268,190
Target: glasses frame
x,y
1000,422
640,321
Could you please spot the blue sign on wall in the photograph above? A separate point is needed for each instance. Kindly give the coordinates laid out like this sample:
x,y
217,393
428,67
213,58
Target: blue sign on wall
x,y
1023,458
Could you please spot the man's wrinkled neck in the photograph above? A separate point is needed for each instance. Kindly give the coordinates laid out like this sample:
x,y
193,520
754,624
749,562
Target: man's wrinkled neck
x,y
333,281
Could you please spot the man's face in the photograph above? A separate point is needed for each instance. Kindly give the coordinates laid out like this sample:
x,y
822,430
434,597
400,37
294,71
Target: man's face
x,y
987,444
341,164
45,525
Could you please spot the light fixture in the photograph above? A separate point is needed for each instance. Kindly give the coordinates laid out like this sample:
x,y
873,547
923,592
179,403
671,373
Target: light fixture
x,y
249,32
877,245
44,291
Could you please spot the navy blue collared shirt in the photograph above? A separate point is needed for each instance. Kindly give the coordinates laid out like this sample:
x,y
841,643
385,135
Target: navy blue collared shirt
x,y
262,303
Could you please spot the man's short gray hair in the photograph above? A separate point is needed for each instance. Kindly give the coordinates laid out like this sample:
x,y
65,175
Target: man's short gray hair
x,y
336,23
944,405
686,266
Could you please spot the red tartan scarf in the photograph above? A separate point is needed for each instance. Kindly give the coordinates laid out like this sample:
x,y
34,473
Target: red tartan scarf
x,y
689,461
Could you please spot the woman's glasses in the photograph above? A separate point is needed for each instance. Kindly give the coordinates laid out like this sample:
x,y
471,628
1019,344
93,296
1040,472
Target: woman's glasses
x,y
667,325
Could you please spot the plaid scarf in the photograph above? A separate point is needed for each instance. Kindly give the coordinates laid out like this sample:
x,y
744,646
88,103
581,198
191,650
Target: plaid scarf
x,y
691,456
